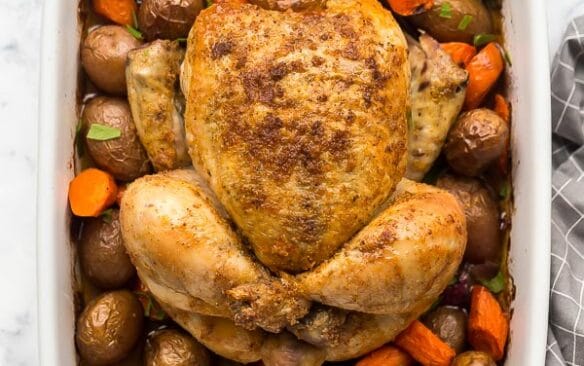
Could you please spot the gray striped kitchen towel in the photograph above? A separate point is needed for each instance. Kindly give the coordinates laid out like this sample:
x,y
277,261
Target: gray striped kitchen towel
x,y
566,324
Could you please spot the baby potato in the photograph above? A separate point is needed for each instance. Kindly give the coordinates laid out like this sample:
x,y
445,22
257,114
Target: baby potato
x,y
169,347
103,55
448,323
476,140
109,328
168,19
102,253
482,218
455,20
124,157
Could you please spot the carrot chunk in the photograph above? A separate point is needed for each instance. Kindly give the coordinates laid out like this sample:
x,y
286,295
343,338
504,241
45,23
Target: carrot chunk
x,y
118,11
483,71
488,326
424,346
502,108
410,7
386,356
460,52
91,192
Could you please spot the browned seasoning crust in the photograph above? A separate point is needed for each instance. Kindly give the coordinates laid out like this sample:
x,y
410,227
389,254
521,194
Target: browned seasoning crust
x,y
298,121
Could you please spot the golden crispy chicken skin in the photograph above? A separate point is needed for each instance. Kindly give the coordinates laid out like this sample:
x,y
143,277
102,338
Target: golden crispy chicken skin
x,y
157,107
295,239
188,255
437,90
298,121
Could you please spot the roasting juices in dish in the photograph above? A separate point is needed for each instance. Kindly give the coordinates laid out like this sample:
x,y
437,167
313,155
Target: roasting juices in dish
x,y
292,183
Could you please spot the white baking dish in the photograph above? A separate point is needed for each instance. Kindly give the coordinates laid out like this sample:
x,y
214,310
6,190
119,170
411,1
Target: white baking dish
x,y
530,249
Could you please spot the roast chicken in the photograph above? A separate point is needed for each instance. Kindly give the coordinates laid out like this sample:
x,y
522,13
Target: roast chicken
x,y
295,237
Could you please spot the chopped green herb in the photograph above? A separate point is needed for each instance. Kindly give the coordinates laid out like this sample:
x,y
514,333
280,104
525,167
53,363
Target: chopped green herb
x,y
505,190
446,11
135,20
465,22
134,32
209,2
410,120
507,56
106,215
78,140
495,284
181,40
102,132
483,38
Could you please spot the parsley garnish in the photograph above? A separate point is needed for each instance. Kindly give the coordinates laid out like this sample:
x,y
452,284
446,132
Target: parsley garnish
x,y
78,140
134,32
507,56
495,284
106,215
135,19
446,11
483,38
505,190
103,132
465,22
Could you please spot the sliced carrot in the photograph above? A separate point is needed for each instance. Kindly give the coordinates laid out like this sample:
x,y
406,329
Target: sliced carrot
x,y
410,7
483,71
118,11
120,194
386,356
460,52
424,346
91,192
488,326
502,108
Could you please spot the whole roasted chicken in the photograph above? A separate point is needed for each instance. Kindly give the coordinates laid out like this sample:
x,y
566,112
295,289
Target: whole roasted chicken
x,y
295,239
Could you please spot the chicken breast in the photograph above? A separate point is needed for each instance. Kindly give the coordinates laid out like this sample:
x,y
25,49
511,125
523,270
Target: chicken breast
x,y
297,120
188,255
152,76
401,261
438,89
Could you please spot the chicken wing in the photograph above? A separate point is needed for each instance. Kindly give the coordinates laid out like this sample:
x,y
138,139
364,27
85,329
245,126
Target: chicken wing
x,y
157,106
437,91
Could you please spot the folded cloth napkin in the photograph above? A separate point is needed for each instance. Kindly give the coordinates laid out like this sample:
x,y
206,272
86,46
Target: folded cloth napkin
x,y
566,322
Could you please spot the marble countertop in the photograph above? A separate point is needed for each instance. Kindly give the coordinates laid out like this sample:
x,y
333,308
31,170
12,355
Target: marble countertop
x,y
20,26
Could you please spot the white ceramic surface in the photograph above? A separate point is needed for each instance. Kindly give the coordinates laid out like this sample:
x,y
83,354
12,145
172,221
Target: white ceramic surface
x,y
526,37
19,44
19,58
57,121
530,248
